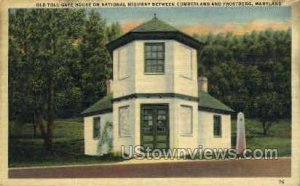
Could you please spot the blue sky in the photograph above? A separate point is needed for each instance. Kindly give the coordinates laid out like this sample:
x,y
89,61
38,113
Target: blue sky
x,y
212,18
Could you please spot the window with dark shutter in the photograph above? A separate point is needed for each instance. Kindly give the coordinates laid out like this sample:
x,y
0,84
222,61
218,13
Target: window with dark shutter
x,y
217,126
96,127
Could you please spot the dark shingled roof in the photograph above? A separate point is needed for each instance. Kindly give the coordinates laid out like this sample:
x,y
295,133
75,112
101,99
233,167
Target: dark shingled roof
x,y
101,106
155,29
155,25
206,102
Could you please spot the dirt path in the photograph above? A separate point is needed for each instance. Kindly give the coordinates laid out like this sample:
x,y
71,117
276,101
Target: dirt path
x,y
227,168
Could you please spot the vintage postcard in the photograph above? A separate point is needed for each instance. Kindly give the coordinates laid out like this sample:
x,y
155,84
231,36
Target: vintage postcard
x,y
150,92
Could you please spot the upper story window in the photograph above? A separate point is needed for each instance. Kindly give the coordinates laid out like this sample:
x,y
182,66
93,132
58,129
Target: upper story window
x,y
217,126
154,57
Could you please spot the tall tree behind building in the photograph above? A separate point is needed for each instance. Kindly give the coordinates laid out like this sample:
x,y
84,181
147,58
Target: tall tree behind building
x,y
114,31
95,59
251,72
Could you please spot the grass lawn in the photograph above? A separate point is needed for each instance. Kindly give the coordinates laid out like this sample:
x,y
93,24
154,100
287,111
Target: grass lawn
x,y
279,136
27,150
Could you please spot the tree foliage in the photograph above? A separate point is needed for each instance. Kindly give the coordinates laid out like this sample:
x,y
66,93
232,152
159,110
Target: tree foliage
x,y
95,60
251,73
114,31
57,65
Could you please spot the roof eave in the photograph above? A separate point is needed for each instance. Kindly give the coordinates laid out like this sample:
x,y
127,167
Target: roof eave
x,y
158,35
215,110
103,111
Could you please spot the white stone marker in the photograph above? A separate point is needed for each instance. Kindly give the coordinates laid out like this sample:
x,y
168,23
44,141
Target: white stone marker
x,y
240,134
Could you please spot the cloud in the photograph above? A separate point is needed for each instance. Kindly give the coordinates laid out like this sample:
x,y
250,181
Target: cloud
x,y
237,29
265,25
127,26
203,29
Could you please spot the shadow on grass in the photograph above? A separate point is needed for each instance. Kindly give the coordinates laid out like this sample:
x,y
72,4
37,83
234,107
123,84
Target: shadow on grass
x,y
26,153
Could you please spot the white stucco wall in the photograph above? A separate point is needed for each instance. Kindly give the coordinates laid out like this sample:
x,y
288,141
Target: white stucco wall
x,y
124,79
90,144
123,140
206,132
180,77
146,83
185,61
202,126
178,59
185,140
176,139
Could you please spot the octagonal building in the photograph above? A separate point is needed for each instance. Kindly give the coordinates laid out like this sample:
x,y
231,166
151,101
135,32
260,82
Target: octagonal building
x,y
156,98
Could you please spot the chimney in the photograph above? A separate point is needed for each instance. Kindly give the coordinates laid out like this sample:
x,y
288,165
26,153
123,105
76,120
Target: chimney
x,y
202,84
109,87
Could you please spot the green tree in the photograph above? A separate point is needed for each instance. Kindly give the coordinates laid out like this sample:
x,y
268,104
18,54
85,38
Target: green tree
x,y
234,84
241,68
95,59
114,31
269,103
268,108
41,51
